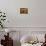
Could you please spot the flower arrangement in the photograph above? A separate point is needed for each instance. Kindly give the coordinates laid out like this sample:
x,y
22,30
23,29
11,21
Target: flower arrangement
x,y
2,19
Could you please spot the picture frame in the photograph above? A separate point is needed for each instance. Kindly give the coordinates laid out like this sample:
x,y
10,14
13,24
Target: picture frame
x,y
23,10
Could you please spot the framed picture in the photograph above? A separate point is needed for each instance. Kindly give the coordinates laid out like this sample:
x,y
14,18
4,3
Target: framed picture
x,y
23,10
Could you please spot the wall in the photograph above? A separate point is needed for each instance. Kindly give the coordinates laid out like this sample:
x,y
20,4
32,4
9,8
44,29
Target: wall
x,y
32,22
37,19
